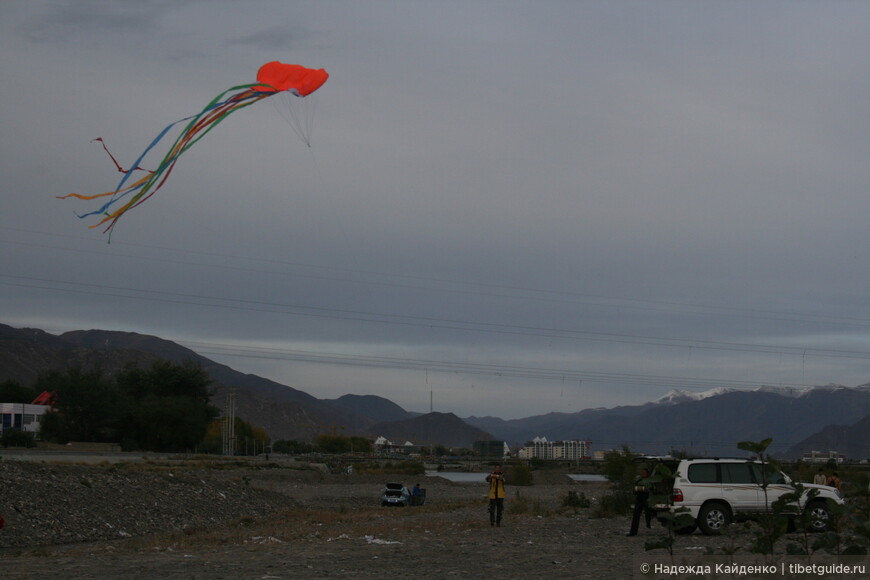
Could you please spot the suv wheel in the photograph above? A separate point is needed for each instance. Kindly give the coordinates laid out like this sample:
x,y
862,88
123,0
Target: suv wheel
x,y
820,515
713,517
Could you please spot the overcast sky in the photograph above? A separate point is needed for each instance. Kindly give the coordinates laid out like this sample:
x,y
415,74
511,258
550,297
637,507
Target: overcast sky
x,y
507,208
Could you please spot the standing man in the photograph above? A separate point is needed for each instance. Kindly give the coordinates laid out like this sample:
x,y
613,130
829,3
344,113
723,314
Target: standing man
x,y
496,495
641,493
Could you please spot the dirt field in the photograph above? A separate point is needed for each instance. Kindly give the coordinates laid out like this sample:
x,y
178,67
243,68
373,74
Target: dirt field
x,y
332,526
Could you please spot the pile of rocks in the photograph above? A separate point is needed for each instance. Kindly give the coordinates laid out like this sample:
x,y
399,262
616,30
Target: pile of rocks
x,y
56,504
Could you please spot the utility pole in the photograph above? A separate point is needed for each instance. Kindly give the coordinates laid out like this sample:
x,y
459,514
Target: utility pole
x,y
229,426
428,384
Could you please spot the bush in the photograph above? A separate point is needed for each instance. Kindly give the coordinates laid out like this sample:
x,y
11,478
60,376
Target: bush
x,y
576,501
17,438
520,474
615,504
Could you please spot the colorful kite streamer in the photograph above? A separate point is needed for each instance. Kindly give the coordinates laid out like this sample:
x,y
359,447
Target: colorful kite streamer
x,y
272,78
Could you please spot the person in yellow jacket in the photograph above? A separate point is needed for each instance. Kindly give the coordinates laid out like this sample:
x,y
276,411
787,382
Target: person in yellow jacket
x,y
496,495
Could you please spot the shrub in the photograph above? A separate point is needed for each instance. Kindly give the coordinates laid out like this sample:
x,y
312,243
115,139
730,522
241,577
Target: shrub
x,y
17,438
614,504
521,474
576,501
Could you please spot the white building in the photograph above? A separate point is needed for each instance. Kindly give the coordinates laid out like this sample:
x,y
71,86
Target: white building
x,y
540,448
571,450
823,457
21,416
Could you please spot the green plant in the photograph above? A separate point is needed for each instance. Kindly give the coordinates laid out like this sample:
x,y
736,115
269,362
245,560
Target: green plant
x,y
620,469
520,474
772,524
17,438
850,539
163,408
673,522
612,504
576,501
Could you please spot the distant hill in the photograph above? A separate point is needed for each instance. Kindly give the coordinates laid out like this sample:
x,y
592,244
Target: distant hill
x,y
703,424
853,441
432,428
709,423
285,412
27,353
378,409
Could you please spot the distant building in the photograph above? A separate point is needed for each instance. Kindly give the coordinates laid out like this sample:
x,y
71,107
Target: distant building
x,y
540,448
491,448
819,457
411,448
385,446
22,416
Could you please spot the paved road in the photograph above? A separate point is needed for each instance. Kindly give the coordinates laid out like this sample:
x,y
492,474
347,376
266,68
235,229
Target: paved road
x,y
77,456
80,456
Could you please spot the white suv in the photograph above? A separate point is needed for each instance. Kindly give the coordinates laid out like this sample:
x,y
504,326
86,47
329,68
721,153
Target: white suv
x,y
719,491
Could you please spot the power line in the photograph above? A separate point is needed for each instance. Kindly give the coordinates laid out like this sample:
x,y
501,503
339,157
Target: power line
x,y
427,322
495,370
489,290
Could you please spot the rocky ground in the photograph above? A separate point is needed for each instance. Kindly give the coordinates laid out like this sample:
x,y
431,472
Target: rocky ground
x,y
222,521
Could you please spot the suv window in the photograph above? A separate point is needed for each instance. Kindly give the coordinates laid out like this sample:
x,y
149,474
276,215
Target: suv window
x,y
702,473
773,475
737,473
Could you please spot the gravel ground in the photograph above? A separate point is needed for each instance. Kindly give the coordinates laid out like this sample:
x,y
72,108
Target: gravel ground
x,y
187,522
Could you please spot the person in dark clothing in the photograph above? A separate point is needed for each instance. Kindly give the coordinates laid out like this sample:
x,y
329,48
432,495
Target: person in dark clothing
x,y
641,494
496,495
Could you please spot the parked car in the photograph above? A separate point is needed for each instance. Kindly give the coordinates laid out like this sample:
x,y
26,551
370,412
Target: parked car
x,y
395,494
718,491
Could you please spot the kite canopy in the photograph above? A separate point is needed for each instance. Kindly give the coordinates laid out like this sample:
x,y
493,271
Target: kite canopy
x,y
277,76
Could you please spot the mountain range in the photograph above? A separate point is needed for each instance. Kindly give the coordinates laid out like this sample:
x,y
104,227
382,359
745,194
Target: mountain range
x,y
831,417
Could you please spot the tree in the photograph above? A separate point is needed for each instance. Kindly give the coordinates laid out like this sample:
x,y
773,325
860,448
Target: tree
x,y
16,438
14,392
164,408
332,443
620,469
360,445
171,407
88,406
249,439
291,447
